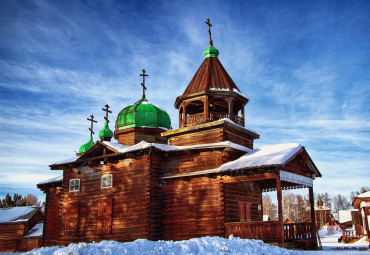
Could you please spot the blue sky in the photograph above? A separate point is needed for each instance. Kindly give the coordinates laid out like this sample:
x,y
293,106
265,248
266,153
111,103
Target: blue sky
x,y
304,65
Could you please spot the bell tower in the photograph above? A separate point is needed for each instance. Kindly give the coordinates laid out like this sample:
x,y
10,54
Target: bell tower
x,y
211,99
211,94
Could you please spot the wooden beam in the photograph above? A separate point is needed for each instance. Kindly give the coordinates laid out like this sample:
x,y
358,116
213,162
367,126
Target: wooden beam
x,y
243,115
254,177
231,111
313,219
280,211
206,105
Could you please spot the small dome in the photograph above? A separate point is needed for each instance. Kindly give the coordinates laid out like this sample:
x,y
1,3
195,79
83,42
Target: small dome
x,y
105,132
87,145
143,114
211,52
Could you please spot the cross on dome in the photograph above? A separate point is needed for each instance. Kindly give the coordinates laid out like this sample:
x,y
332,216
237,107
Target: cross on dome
x,y
106,112
143,83
209,31
92,124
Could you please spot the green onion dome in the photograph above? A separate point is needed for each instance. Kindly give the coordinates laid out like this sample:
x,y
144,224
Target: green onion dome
x,y
105,132
211,52
143,114
87,145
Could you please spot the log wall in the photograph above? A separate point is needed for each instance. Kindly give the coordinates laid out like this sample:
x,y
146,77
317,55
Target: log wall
x,y
120,213
211,133
192,208
9,233
191,161
135,135
242,192
51,224
28,244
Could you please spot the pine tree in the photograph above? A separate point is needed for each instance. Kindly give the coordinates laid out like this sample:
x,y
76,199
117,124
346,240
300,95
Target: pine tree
x,y
341,203
18,200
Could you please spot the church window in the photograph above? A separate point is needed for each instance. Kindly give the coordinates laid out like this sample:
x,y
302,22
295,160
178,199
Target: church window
x,y
74,185
106,181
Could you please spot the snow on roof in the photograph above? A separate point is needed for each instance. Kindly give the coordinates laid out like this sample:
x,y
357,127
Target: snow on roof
x,y
55,179
232,122
364,195
277,154
322,207
17,214
165,147
66,161
36,230
345,215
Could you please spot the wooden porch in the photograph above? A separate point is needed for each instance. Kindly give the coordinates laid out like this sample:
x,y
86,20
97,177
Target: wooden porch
x,y
295,235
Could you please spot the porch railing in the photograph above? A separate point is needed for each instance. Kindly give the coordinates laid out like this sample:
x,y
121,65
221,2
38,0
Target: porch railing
x,y
199,117
263,230
297,231
193,119
269,230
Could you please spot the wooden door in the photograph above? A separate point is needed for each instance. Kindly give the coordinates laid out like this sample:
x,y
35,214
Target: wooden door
x,y
104,217
245,212
71,219
52,222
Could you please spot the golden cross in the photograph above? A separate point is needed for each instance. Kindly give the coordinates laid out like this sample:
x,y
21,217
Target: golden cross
x,y
106,112
143,83
92,124
209,31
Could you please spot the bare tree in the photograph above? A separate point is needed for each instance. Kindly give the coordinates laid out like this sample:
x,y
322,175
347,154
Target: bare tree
x,y
31,200
269,208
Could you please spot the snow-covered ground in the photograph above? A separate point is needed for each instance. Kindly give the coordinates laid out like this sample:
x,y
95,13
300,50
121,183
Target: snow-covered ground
x,y
329,238
204,245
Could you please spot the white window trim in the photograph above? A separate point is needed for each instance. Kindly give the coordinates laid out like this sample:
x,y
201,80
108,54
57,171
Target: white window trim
x,y
111,181
70,185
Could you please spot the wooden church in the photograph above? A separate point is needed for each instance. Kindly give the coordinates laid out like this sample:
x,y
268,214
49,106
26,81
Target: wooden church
x,y
203,179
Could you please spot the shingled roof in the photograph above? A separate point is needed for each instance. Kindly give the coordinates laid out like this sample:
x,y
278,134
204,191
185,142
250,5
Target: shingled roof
x,y
211,75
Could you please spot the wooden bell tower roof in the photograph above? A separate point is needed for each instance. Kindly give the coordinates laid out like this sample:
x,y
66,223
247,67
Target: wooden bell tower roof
x,y
211,75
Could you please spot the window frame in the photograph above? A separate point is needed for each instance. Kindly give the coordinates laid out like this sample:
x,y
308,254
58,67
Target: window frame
x,y
73,185
111,181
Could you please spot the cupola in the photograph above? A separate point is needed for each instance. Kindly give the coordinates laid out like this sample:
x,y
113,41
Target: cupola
x,y
106,134
141,121
85,147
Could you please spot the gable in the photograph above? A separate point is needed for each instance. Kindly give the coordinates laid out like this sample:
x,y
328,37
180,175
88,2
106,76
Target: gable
x,y
302,164
98,149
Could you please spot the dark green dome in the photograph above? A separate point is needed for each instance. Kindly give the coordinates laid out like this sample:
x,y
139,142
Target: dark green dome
x,y
105,132
143,114
211,52
87,145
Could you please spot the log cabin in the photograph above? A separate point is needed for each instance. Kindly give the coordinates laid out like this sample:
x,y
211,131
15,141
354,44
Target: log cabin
x,y
19,228
362,204
203,179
